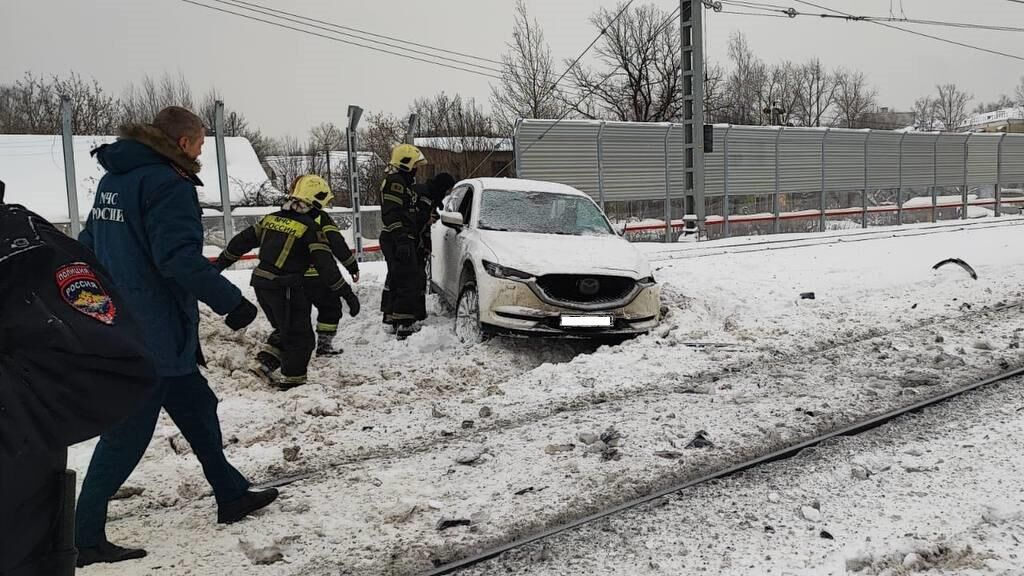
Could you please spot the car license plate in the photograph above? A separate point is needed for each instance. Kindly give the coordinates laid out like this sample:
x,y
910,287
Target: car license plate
x,y
586,321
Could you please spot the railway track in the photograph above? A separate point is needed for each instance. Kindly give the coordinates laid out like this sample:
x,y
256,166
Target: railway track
x,y
588,401
860,427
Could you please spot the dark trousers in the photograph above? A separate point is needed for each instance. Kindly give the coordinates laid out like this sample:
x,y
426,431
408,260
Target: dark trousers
x,y
288,310
405,282
37,502
192,406
327,304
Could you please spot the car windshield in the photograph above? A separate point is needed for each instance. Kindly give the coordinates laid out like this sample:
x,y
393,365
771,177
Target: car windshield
x,y
541,213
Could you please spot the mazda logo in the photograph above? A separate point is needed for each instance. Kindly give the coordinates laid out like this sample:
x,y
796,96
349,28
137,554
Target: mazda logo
x,y
589,286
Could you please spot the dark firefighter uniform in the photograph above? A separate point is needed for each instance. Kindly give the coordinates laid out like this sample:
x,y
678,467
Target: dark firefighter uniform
x,y
289,242
430,195
326,302
72,364
399,240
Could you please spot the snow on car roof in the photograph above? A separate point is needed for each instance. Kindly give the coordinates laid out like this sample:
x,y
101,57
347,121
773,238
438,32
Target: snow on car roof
x,y
528,185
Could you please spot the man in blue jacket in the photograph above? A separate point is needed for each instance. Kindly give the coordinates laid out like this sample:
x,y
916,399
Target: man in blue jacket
x,y
146,230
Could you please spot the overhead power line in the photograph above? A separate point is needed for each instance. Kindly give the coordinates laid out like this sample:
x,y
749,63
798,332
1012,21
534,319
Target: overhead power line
x,y
916,33
368,33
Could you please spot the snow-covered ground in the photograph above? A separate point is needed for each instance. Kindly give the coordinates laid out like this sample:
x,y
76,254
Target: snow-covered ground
x,y
399,436
935,493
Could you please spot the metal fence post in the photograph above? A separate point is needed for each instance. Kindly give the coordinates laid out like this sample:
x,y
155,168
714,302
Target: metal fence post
x,y
354,114
963,193
899,188
222,172
824,194
70,177
600,164
867,171
726,207
778,191
935,179
999,176
515,148
668,188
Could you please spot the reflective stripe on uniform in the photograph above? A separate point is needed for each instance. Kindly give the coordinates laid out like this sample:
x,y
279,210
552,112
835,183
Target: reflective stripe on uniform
x,y
286,251
330,228
338,285
273,351
311,272
393,198
261,273
229,256
321,327
392,227
314,246
349,261
285,225
294,379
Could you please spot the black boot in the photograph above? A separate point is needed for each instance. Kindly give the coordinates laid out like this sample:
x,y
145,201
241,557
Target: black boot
x,y
325,345
403,331
107,553
250,502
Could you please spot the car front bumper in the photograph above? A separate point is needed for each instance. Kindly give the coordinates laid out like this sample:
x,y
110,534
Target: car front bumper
x,y
510,307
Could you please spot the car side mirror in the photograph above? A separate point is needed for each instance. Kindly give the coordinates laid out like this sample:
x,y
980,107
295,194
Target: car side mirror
x,y
453,220
620,229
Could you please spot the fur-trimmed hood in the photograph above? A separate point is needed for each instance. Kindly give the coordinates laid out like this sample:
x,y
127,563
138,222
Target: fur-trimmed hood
x,y
144,145
152,136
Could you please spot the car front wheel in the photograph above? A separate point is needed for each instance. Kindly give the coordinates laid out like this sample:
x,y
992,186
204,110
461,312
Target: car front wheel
x,y
467,315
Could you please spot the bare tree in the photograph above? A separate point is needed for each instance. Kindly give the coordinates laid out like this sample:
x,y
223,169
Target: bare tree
x,y
381,132
455,116
854,99
32,105
1000,103
327,136
1020,93
715,102
644,44
778,94
926,114
744,82
951,106
526,89
816,93
140,103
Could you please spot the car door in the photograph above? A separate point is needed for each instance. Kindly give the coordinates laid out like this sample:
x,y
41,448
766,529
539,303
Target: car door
x,y
458,245
442,236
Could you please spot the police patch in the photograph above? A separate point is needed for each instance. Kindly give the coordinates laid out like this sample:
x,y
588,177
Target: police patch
x,y
80,288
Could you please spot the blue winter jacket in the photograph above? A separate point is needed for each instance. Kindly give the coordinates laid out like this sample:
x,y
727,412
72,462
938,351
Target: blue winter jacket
x,y
146,228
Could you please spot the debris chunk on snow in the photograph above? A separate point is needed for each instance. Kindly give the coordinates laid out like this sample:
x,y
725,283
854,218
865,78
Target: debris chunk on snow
x,y
486,412
400,512
126,492
559,448
774,497
700,440
291,453
913,561
262,556
810,514
469,455
588,438
446,523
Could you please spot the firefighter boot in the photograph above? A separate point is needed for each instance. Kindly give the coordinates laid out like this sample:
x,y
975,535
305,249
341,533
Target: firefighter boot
x,y
325,345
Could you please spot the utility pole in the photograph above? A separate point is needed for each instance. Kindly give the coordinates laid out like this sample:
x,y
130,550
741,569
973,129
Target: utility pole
x,y
691,31
354,114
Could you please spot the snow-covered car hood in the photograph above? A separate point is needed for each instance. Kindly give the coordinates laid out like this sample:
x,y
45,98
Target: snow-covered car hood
x,y
541,254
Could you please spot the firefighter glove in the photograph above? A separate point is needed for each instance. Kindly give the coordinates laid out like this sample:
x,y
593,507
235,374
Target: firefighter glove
x,y
350,298
241,316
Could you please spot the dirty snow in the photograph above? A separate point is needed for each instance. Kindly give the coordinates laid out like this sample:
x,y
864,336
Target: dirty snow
x,y
491,442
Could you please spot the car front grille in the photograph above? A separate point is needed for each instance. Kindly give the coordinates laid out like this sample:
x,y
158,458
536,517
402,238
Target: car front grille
x,y
584,289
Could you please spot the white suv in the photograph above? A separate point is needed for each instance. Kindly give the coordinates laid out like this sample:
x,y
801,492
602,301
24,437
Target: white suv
x,y
522,257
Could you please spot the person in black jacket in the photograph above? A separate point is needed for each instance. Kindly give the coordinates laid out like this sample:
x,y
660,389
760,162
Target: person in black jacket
x,y
72,364
399,238
431,194
328,306
290,241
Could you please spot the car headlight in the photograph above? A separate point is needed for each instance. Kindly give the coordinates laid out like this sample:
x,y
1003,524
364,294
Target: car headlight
x,y
499,271
647,282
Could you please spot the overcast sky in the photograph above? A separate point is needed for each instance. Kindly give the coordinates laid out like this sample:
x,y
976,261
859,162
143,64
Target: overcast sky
x,y
286,81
